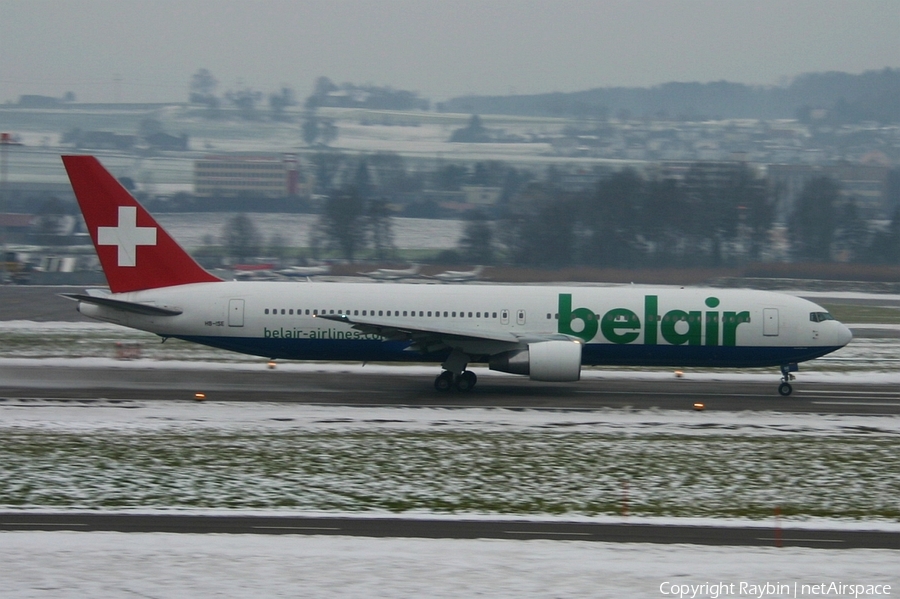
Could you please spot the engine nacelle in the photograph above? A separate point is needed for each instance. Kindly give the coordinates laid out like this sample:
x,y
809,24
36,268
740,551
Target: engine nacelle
x,y
553,361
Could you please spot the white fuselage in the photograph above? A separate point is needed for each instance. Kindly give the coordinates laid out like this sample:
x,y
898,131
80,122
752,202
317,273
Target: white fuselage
x,y
618,325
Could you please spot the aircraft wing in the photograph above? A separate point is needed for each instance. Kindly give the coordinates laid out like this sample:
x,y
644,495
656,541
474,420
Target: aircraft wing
x,y
428,338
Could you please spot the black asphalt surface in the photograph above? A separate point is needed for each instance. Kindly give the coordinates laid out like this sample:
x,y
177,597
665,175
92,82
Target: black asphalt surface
x,y
355,387
773,535
39,303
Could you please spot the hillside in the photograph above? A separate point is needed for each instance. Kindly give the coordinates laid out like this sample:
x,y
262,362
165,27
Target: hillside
x,y
837,97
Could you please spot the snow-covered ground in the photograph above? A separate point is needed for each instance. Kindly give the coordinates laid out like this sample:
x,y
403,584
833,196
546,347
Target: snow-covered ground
x,y
154,417
494,461
191,230
87,455
61,565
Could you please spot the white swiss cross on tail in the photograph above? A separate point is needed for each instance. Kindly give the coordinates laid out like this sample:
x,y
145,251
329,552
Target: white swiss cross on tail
x,y
127,236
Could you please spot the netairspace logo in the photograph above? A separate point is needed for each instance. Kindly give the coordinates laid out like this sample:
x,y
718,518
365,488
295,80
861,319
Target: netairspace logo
x,y
714,590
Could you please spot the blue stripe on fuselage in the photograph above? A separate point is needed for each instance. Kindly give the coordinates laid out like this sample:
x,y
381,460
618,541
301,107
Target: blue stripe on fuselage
x,y
372,350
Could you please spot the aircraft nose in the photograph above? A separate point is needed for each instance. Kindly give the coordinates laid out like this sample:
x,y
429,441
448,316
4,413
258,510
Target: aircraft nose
x,y
844,335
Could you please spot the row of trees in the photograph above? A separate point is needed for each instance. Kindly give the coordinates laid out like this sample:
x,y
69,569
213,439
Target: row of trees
x,y
716,215
708,218
203,90
845,98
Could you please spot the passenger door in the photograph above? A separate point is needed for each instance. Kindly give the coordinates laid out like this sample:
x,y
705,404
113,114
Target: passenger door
x,y
236,313
770,322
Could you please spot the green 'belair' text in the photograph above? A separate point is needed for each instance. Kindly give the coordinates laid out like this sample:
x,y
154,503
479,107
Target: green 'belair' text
x,y
621,325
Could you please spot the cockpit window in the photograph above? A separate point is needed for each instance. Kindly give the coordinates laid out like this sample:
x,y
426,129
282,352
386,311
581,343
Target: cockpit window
x,y
820,316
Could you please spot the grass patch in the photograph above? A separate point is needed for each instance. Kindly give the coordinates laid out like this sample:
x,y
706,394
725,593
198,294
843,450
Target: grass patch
x,y
851,313
456,472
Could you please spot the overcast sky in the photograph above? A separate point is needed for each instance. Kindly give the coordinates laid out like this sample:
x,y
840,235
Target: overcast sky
x,y
439,48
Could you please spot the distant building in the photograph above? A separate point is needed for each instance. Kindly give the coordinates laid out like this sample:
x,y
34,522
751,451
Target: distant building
x,y
15,227
864,184
264,175
99,140
35,101
166,142
481,195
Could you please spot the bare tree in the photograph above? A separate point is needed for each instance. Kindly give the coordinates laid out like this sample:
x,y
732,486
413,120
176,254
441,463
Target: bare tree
x,y
203,89
241,238
344,221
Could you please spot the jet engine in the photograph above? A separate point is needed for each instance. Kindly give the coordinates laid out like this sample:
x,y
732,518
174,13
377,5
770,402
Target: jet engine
x,y
553,361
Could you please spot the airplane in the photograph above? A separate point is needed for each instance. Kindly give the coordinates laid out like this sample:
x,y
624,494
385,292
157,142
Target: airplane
x,y
392,274
544,332
305,271
458,276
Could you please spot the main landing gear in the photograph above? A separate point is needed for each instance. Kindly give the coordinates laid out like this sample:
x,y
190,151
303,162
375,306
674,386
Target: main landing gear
x,y
463,382
455,374
785,387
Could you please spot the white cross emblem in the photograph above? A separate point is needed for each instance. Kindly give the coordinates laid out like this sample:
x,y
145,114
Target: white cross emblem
x,y
127,236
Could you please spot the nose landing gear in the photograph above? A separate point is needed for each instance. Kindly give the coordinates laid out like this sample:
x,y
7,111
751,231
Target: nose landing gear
x,y
785,387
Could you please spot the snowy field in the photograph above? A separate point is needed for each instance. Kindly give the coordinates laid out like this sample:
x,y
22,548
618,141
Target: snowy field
x,y
191,230
115,565
667,466
290,457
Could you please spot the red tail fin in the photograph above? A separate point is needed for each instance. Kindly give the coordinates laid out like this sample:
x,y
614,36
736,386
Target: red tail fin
x,y
135,252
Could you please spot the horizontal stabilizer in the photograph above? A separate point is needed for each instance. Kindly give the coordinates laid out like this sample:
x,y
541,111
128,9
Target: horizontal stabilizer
x,y
132,307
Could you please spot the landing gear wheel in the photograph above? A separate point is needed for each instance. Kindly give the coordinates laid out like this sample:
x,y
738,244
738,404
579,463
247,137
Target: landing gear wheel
x,y
785,388
444,381
466,381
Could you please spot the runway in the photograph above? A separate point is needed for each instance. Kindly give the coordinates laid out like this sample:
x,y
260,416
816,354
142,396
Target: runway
x,y
31,383
445,528
353,386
